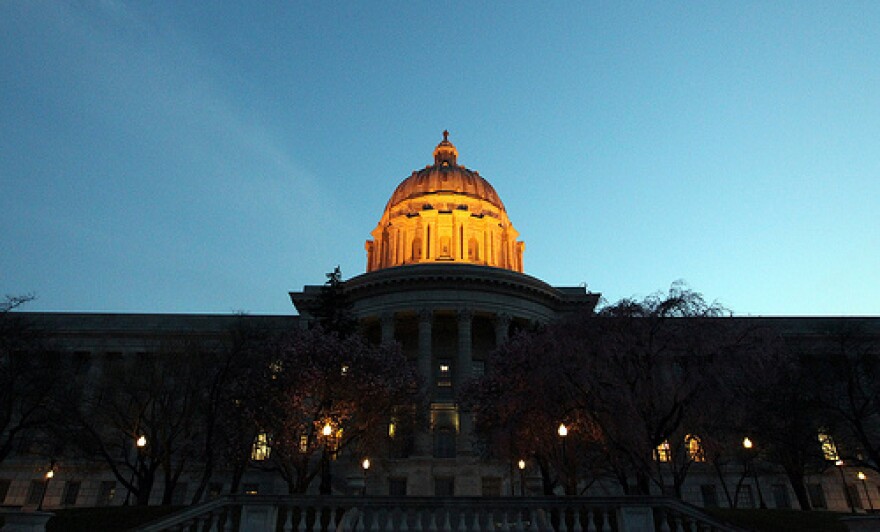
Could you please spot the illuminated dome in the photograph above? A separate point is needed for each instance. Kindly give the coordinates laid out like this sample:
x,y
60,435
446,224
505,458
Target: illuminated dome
x,y
444,213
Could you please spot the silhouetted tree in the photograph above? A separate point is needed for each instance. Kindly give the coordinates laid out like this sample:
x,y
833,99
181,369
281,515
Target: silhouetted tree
x,y
334,313
317,378
845,375
634,377
29,380
158,396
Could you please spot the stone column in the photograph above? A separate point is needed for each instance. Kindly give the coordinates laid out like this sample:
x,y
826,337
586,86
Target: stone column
x,y
464,371
386,320
463,374
502,328
425,366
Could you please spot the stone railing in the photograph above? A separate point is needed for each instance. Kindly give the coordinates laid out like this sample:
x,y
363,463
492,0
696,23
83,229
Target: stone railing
x,y
243,513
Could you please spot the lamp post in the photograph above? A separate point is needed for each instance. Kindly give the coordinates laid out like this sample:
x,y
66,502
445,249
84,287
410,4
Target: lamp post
x,y
326,432
48,476
840,465
522,482
365,465
748,445
139,445
863,478
562,430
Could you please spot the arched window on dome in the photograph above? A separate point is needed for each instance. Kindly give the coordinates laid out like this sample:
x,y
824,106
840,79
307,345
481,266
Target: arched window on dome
x,y
473,250
417,249
445,247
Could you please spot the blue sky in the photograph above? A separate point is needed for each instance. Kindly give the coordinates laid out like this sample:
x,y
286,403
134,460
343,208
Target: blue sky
x,y
212,156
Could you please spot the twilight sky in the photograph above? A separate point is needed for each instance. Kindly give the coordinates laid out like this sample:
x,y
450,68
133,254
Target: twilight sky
x,y
212,156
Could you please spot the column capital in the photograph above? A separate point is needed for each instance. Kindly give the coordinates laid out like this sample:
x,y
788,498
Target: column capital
x,y
426,314
465,314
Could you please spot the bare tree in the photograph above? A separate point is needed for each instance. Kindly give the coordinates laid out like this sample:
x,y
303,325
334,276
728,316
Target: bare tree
x,y
29,381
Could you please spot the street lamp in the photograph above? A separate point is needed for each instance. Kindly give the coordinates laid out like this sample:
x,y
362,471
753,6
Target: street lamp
x,y
48,476
139,444
522,483
562,430
326,479
840,465
863,478
748,446
365,465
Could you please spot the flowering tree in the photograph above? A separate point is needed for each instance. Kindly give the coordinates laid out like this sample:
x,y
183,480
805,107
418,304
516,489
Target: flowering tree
x,y
324,395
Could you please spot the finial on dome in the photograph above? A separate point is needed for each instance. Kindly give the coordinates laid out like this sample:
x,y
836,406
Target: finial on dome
x,y
445,153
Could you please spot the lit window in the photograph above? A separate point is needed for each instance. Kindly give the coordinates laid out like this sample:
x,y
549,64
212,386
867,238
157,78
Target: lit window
x,y
829,449
663,452
344,370
695,448
260,450
444,375
304,443
275,367
392,430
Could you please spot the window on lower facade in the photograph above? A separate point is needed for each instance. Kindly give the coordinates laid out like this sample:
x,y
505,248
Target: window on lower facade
x,y
260,449
251,489
854,499
781,498
491,487
397,486
4,489
710,495
71,492
817,496
444,486
178,496
746,499
663,453
444,374
695,448
829,448
444,443
215,489
35,493
106,493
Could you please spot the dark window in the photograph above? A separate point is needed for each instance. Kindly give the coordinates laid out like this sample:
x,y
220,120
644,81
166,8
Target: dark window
x,y
178,496
4,488
397,487
444,486
491,487
710,495
71,492
817,496
35,494
106,493
479,369
780,496
746,499
444,443
215,489
82,361
854,500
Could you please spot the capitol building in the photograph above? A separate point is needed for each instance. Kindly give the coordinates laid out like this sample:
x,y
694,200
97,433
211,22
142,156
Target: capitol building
x,y
445,280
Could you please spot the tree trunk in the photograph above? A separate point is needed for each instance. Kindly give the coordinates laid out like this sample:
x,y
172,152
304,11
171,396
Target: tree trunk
x,y
796,479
